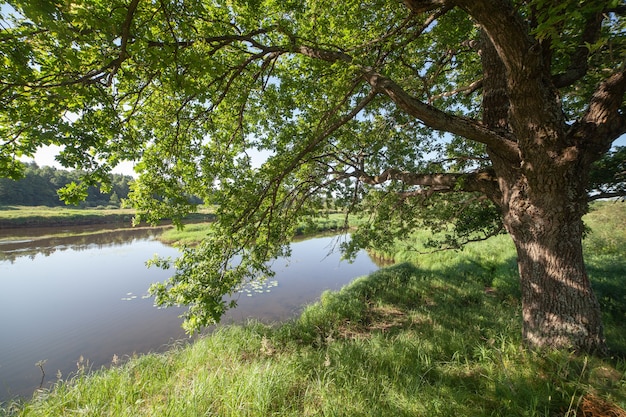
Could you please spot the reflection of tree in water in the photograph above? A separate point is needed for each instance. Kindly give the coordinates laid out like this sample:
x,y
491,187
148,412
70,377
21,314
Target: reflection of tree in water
x,y
48,244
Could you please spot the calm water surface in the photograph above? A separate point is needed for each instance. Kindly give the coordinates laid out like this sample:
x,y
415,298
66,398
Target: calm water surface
x,y
64,298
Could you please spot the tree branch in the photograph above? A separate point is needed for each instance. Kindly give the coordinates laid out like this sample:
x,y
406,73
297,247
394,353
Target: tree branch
x,y
484,181
315,141
220,40
325,55
421,6
440,120
429,115
517,50
123,55
603,121
437,14
468,89
578,64
602,195
485,236
527,72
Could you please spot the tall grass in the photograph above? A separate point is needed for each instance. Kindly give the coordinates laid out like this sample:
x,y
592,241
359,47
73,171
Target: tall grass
x,y
438,338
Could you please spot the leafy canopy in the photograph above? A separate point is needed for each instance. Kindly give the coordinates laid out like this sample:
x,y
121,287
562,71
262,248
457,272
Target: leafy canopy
x,y
194,90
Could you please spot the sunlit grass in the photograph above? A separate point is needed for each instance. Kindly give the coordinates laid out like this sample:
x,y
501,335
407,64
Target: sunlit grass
x,y
191,234
19,216
441,337
19,212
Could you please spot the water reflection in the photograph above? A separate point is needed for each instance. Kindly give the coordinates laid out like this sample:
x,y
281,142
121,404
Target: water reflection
x,y
66,297
16,243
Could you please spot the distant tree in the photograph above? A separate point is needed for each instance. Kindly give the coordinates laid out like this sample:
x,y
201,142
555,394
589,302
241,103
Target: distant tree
x,y
34,189
39,186
120,185
114,199
9,192
482,114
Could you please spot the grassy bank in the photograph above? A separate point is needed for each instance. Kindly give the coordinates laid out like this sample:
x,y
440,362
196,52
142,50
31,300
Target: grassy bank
x,y
437,338
194,233
42,216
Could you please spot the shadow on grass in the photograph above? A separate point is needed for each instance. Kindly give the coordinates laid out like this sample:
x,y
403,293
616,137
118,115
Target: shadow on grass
x,y
405,341
608,279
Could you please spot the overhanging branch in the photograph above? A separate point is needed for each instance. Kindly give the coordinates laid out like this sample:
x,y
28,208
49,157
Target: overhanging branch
x,y
422,6
605,195
484,182
270,190
439,120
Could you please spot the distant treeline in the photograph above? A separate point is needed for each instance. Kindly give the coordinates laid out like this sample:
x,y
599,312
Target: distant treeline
x,y
40,184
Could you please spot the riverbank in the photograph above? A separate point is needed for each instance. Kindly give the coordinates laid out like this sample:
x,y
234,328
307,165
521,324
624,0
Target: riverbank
x,y
192,234
14,217
433,339
42,216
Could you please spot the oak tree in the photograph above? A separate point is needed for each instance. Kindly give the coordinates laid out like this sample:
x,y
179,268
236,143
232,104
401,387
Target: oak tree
x,y
474,115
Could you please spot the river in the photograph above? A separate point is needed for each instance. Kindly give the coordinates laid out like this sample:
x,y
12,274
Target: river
x,y
77,293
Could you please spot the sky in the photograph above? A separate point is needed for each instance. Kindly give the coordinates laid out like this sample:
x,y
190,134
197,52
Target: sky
x,y
45,157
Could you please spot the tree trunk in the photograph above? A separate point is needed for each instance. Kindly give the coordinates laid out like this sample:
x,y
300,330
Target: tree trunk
x,y
543,198
559,307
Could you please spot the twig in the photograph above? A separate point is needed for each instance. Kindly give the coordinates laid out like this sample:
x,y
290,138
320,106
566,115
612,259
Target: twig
x,y
40,364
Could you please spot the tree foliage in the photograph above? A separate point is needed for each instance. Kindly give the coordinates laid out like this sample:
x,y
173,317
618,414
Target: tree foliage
x,y
392,110
608,176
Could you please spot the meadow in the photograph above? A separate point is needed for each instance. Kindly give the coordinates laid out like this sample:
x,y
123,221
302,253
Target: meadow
x,y
435,335
44,216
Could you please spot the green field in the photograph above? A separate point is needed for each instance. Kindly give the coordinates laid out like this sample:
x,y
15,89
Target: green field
x,y
439,336
42,216
24,216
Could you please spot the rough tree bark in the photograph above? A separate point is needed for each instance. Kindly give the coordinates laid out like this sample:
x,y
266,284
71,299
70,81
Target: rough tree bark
x,y
542,197
559,307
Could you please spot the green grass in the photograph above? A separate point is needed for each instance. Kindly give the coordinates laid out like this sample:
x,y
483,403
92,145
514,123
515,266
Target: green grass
x,y
36,216
438,338
190,235
21,216
21,212
605,256
194,233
